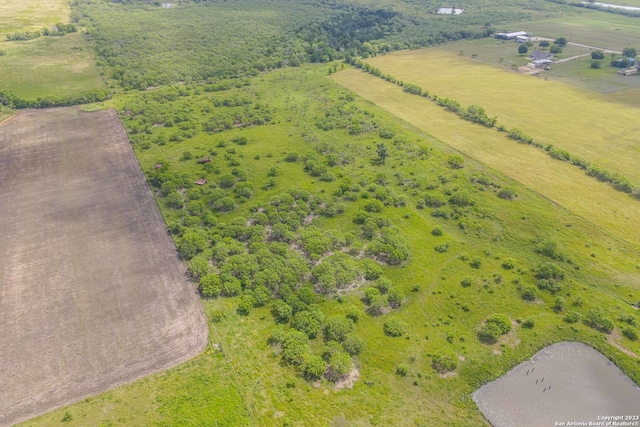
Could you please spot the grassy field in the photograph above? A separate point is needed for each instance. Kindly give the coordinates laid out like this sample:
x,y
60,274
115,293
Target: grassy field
x,y
29,15
560,182
48,66
93,293
592,28
586,124
241,380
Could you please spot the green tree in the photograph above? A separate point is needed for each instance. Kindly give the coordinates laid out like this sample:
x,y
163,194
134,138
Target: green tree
x,y
382,151
281,311
543,44
630,52
562,42
337,328
597,54
314,368
596,64
295,347
340,364
555,49
191,244
522,49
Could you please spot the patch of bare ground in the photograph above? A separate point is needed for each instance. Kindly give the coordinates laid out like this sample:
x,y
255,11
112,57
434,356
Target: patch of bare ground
x,y
348,381
92,292
614,339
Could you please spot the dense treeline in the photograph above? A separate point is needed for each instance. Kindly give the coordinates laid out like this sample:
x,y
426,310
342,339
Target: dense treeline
x,y
11,100
181,44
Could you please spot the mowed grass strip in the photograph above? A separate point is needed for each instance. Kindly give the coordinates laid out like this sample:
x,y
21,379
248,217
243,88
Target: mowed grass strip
x,y
29,15
584,123
48,66
561,182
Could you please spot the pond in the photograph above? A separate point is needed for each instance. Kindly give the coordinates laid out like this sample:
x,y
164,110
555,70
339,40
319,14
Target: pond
x,y
565,384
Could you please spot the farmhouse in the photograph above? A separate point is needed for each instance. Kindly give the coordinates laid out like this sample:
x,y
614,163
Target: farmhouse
x,y
512,36
450,11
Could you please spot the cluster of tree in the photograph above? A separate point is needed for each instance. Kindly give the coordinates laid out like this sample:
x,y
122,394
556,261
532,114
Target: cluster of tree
x,y
60,29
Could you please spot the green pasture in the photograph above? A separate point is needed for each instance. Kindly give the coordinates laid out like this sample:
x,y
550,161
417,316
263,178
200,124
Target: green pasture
x,y
30,15
240,380
589,27
48,66
560,182
586,124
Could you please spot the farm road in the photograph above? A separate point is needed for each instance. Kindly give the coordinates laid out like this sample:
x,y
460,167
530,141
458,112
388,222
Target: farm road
x,y
585,46
92,292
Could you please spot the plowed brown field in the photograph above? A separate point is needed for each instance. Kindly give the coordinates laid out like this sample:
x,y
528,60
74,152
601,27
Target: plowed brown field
x,y
92,292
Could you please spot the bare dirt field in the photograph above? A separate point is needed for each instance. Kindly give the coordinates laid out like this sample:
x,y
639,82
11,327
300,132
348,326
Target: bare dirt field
x,y
92,293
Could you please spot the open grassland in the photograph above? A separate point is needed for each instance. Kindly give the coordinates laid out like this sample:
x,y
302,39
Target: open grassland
x,y
586,124
591,28
241,379
564,184
92,293
29,15
48,67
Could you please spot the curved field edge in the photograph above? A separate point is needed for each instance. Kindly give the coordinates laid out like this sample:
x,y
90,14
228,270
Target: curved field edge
x,y
562,183
440,315
84,229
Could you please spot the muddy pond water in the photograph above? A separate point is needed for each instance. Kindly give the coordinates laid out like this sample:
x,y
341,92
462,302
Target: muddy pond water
x,y
565,384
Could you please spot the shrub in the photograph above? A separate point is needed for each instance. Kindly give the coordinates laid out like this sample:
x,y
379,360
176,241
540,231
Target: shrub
x,y
353,313
467,281
314,368
437,231
507,193
246,305
291,157
559,304
549,271
393,327
374,206
528,323
489,333
455,161
529,293
402,369
306,322
630,332
508,263
476,263
502,321
596,318
461,198
572,317
395,297
445,362
191,244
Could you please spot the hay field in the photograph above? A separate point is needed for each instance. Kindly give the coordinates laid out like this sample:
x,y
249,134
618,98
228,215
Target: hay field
x,y
48,66
25,15
92,293
587,124
593,28
562,183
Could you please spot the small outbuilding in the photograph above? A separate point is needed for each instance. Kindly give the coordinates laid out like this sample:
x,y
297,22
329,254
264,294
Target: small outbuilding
x,y
450,11
201,181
